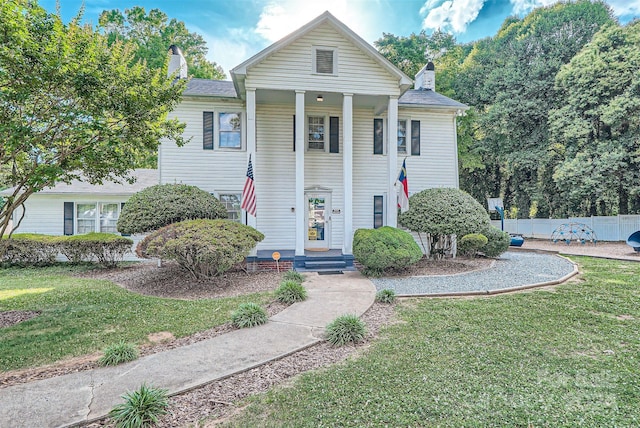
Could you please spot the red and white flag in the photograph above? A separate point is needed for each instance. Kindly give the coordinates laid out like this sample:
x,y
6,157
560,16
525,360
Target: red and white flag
x,y
249,192
403,197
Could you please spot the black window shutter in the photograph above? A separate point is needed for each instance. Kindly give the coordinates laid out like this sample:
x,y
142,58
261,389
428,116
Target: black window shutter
x,y
334,134
68,218
378,212
378,137
294,132
207,130
415,138
121,208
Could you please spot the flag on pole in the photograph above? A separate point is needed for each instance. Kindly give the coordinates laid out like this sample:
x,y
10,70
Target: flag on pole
x,y
249,192
403,197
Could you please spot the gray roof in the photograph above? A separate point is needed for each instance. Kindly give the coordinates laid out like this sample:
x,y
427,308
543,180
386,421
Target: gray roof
x,y
144,178
210,88
428,98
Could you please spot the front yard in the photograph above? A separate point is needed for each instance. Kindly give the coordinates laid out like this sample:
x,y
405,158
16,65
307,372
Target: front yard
x,y
568,357
80,316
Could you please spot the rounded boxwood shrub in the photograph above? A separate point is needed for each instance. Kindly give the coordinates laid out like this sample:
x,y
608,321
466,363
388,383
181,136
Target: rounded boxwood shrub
x,y
291,291
346,329
249,315
497,242
384,248
204,248
470,244
442,212
164,204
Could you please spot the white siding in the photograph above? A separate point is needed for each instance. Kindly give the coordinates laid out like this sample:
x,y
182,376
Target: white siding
x,y
45,213
291,68
211,170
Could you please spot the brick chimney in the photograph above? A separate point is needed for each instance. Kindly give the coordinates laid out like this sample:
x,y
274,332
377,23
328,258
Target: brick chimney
x,y
426,78
177,63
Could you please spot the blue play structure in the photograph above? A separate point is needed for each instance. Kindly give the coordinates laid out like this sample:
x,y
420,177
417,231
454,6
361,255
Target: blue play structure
x,y
574,232
634,240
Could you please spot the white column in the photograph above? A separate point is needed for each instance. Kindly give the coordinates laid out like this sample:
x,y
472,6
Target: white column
x,y
251,145
392,158
347,171
301,228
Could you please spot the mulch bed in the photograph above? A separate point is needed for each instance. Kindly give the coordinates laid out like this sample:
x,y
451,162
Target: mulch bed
x,y
9,318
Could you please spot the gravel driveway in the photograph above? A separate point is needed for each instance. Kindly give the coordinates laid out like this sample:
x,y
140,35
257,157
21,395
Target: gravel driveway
x,y
512,269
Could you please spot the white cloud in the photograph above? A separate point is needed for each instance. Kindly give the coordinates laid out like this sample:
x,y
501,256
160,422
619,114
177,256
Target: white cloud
x,y
625,7
281,17
521,7
450,15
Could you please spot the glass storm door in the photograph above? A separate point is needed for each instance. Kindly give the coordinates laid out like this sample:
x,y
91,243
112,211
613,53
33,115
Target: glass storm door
x,y
318,211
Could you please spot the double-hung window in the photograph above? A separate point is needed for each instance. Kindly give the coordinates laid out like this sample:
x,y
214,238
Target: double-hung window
x,y
230,130
317,134
402,136
231,202
86,218
108,217
91,217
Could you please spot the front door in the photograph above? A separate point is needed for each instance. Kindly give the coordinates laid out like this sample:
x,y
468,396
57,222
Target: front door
x,y
317,220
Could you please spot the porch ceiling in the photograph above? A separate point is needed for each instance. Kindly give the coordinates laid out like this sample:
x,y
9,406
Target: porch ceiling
x,y
333,99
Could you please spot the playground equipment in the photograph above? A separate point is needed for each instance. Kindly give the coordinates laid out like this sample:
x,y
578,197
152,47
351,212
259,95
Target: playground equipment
x,y
578,232
495,204
634,240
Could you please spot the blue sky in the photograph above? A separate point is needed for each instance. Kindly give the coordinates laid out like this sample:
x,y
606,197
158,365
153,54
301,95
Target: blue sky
x,y
237,29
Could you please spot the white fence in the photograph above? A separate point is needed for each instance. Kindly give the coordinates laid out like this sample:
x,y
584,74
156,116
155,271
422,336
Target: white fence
x,y
613,228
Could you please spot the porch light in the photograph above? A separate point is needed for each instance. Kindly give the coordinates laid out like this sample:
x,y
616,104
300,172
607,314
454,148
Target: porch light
x,y
319,98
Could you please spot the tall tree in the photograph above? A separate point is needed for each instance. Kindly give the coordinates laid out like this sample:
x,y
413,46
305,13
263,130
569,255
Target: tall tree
x,y
596,132
73,106
510,80
153,33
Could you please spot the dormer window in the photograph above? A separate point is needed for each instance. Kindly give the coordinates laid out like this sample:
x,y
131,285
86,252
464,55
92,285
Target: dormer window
x,y
325,60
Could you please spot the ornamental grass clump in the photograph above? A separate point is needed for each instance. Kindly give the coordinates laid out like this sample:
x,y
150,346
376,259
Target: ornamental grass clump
x,y
141,408
291,291
249,315
119,353
292,275
386,296
346,329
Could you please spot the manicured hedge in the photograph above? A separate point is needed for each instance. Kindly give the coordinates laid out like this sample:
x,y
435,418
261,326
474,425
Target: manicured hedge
x,y
26,249
163,204
204,248
498,242
384,248
470,244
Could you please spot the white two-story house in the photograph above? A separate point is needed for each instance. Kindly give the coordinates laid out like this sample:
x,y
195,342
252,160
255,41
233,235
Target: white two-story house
x,y
327,122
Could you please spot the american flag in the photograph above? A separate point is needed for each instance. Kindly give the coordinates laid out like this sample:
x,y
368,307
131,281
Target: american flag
x,y
249,192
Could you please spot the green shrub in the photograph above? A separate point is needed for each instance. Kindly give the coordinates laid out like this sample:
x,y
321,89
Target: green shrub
x,y
442,212
292,275
29,249
386,296
106,248
141,408
291,291
204,248
119,353
249,315
470,244
164,204
384,248
498,242
346,329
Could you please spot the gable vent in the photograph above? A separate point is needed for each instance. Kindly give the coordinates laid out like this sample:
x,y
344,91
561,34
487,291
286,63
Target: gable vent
x,y
324,61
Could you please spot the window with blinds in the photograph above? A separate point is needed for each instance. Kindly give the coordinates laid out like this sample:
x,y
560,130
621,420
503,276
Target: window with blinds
x,y
325,60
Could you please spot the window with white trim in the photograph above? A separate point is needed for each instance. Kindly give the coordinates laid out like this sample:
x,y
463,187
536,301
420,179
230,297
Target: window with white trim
x,y
86,218
325,60
109,217
230,130
92,217
316,132
402,136
231,202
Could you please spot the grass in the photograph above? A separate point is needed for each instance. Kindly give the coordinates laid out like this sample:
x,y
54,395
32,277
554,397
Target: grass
x,y
118,353
81,316
562,358
249,315
141,408
291,291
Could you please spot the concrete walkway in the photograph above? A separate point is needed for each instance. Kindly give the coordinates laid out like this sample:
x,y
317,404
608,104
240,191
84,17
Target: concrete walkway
x,y
85,396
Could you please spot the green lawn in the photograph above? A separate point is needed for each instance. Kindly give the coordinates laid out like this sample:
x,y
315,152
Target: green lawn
x,y
563,358
81,316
